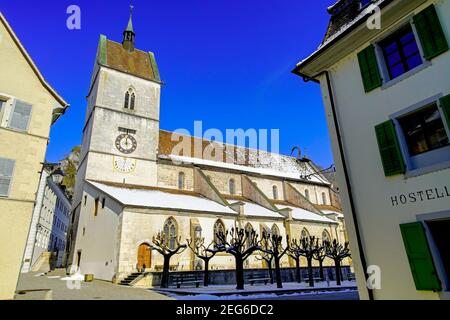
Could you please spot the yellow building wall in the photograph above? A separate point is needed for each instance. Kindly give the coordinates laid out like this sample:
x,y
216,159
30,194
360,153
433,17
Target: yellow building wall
x,y
18,80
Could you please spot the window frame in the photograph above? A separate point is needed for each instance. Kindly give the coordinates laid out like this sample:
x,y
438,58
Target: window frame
x,y
386,81
11,114
433,165
8,193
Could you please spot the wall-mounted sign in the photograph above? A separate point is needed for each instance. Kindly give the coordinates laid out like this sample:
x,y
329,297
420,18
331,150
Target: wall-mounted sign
x,y
420,196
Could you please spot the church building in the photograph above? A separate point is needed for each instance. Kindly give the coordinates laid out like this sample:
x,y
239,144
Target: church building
x,y
131,184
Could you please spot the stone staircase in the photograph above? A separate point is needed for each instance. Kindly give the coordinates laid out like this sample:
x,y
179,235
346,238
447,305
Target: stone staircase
x,y
128,281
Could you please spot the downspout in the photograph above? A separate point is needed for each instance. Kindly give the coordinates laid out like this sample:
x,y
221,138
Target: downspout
x,y
344,164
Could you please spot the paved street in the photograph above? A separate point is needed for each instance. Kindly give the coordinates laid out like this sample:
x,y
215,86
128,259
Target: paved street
x,y
97,290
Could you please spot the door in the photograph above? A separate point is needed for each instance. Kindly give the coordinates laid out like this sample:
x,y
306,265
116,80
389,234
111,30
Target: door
x,y
144,257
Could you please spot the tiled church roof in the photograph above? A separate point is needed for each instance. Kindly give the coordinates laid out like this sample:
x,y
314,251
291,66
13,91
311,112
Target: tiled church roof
x,y
139,63
234,157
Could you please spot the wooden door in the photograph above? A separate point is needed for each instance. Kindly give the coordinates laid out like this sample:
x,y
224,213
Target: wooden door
x,y
144,257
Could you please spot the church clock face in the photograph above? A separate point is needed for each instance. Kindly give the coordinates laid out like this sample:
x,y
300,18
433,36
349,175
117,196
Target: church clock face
x,y
126,143
124,165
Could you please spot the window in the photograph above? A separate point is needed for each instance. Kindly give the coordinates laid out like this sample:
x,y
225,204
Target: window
x,y
232,187
130,99
20,116
307,194
424,130
6,172
401,52
324,198
181,180
248,231
275,192
2,107
275,230
219,228
171,232
198,232
103,203
305,233
85,200
96,207
326,236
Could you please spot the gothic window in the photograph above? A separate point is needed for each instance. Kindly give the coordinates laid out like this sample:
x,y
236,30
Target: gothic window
x,y
275,230
198,232
219,228
130,99
305,233
248,231
307,194
171,232
232,186
324,198
326,236
275,192
181,180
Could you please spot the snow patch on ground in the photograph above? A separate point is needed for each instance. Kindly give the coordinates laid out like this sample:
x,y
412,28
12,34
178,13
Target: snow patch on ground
x,y
74,277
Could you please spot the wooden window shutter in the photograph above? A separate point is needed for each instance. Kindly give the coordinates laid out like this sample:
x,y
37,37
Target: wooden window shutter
x,y
390,152
430,32
419,257
445,105
369,69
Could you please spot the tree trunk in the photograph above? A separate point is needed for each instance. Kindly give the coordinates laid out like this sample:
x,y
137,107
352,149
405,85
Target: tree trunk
x,y
269,263
310,272
206,275
278,273
337,264
297,270
239,273
165,273
322,277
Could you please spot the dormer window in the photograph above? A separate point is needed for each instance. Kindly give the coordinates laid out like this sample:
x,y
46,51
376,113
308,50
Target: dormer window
x,y
130,99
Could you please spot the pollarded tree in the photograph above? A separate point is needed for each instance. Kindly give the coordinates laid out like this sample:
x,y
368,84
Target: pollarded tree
x,y
337,252
162,244
307,247
266,256
241,244
295,253
203,252
320,256
277,252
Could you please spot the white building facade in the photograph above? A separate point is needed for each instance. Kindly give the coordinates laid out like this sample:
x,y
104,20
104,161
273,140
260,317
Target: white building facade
x,y
386,94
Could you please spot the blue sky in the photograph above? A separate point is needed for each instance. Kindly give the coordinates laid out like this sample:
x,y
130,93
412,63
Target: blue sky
x,y
224,62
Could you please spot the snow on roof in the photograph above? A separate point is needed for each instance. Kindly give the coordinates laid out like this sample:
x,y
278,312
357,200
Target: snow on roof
x,y
337,213
286,169
160,199
304,215
255,210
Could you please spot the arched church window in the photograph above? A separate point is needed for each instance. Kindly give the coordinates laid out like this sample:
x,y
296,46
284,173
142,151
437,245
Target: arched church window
x,y
275,192
307,194
181,180
198,232
248,231
171,232
232,186
305,233
219,228
326,236
130,99
275,230
324,198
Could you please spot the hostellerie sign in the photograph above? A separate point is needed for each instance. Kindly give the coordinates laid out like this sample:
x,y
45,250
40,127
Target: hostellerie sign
x,y
421,196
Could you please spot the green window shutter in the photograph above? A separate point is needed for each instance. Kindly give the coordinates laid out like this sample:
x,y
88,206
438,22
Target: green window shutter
x,y
390,152
445,105
419,256
369,68
430,32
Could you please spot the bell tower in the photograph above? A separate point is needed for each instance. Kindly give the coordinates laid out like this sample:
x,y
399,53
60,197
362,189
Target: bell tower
x,y
121,131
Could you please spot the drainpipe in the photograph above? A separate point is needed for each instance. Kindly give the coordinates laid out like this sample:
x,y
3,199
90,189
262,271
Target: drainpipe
x,y
344,164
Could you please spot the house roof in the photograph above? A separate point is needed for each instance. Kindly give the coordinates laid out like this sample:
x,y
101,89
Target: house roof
x,y
160,198
345,16
235,158
64,105
137,62
305,215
